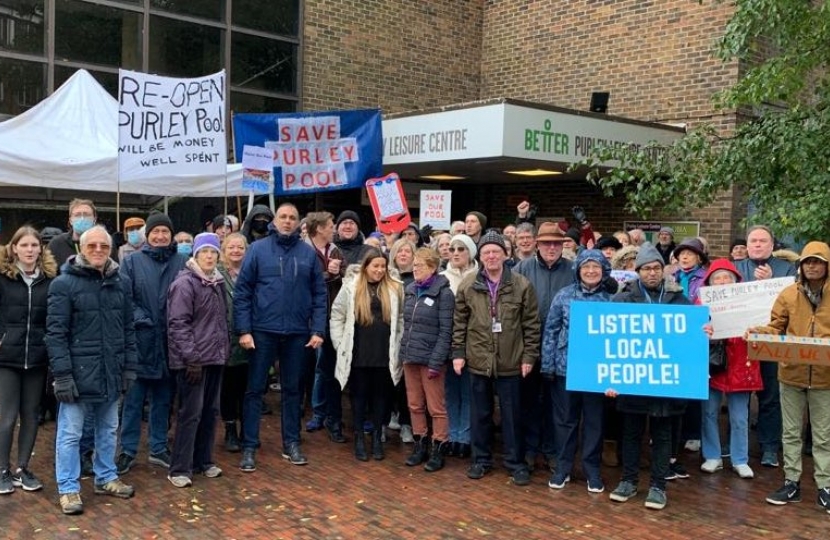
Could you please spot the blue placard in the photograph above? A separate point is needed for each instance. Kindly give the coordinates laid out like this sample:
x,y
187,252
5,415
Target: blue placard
x,y
640,349
316,151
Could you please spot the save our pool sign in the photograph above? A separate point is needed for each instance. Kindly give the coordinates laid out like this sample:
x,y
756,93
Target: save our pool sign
x,y
641,349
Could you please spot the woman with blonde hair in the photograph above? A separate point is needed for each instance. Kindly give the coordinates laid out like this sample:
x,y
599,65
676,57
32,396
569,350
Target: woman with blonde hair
x,y
401,259
26,270
366,326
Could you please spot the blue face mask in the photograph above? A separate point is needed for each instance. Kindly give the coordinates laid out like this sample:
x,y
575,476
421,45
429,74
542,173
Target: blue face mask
x,y
184,249
82,224
134,238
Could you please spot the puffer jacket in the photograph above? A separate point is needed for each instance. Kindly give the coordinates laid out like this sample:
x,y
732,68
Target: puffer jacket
x,y
90,332
633,293
546,280
342,329
794,315
741,374
427,324
238,355
23,311
496,354
150,272
555,334
197,319
353,250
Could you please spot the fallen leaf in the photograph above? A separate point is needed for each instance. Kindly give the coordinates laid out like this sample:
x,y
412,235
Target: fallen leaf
x,y
197,508
333,517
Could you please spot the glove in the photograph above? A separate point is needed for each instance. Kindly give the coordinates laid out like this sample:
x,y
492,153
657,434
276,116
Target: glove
x,y
65,389
193,374
579,215
426,231
127,380
433,373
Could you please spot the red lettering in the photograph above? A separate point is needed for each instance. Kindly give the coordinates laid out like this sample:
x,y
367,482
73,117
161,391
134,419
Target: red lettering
x,y
334,155
302,134
349,150
332,132
285,133
304,159
318,132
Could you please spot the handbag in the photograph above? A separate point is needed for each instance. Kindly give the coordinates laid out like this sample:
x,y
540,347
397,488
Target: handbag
x,y
717,356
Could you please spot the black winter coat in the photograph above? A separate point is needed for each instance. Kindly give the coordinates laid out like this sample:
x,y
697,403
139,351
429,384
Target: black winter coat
x,y
23,312
89,329
652,406
427,324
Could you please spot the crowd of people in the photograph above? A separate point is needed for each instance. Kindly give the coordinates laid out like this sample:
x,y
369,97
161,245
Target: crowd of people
x,y
425,331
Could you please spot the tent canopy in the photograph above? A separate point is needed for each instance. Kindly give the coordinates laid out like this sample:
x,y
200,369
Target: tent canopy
x,y
70,141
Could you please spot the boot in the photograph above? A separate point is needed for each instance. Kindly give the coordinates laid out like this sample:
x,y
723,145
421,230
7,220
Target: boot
x,y
436,457
609,454
377,445
420,451
232,442
360,447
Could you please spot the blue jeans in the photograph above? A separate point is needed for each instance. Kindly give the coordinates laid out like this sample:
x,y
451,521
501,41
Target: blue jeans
x,y
457,389
160,393
332,407
290,349
318,392
769,409
88,435
738,404
67,443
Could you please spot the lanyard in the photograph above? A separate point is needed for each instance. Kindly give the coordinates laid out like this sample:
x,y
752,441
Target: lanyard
x,y
493,287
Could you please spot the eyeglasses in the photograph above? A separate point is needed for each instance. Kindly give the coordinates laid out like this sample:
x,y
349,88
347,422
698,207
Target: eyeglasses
x,y
459,249
651,269
97,247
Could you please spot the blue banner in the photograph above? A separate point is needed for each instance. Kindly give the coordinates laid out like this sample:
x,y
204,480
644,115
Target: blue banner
x,y
316,151
640,349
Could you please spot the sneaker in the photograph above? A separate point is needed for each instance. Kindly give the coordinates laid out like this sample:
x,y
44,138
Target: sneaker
x,y
712,465
394,425
478,470
86,463
406,434
294,455
624,491
656,499
790,492
558,480
161,459
692,445
824,498
71,504
769,459
521,477
212,471
124,463
315,424
595,485
23,478
677,470
115,488
180,481
248,462
744,470
6,483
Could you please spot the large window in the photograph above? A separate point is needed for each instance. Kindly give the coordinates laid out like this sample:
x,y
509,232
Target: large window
x,y
184,49
263,64
21,26
273,16
95,34
21,85
206,9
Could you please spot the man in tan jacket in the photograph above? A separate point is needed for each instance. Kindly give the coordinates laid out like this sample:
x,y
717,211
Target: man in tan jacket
x,y
803,309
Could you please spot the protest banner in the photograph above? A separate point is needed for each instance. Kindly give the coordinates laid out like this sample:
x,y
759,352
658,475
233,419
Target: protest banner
x,y
170,126
738,306
789,349
639,349
258,169
388,202
316,152
435,209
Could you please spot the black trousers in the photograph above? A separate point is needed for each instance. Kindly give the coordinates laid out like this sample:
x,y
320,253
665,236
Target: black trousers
x,y
370,389
660,429
20,393
234,382
196,422
481,420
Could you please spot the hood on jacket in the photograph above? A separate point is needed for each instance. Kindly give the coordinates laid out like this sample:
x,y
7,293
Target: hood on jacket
x,y
818,250
47,263
722,264
622,256
257,210
594,255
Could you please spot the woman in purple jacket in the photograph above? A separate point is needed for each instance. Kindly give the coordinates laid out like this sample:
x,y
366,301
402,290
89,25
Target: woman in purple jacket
x,y
198,347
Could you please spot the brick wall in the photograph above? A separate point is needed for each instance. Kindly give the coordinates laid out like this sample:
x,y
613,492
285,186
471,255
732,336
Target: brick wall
x,y
398,55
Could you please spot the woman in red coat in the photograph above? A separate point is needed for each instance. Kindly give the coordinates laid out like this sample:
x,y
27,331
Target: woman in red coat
x,y
738,381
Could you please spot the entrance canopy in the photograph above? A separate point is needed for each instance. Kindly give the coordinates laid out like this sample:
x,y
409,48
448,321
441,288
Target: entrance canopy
x,y
486,141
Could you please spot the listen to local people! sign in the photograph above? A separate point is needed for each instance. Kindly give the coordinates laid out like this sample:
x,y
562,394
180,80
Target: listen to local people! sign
x,y
169,126
641,349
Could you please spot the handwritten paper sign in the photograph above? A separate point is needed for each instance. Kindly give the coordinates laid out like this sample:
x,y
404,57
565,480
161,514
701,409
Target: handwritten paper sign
x,y
170,126
640,349
435,208
738,306
258,169
789,349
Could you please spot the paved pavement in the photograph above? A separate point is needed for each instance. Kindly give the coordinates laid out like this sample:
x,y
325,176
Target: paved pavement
x,y
335,496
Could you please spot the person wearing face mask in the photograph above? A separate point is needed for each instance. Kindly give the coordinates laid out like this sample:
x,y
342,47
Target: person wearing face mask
x,y
134,234
82,216
184,243
256,224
